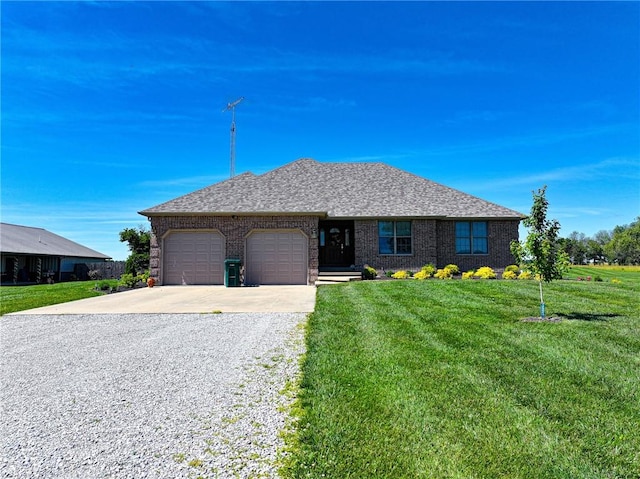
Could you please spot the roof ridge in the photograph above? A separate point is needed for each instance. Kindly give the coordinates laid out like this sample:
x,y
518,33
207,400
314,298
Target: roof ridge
x,y
23,226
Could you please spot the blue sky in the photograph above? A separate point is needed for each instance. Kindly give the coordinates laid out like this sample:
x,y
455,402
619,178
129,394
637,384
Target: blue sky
x,y
109,108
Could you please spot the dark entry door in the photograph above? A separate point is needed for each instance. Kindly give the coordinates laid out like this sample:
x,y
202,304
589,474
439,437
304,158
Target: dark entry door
x,y
336,243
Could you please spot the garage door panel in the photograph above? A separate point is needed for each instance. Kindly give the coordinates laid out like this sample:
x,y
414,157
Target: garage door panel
x,y
276,258
194,258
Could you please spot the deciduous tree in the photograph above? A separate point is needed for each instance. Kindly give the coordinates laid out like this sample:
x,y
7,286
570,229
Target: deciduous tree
x,y
139,240
624,247
541,250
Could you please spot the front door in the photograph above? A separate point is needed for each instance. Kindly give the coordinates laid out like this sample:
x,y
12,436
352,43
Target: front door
x,y
336,243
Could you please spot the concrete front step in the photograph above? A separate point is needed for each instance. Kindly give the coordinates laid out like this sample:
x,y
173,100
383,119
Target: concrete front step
x,y
333,278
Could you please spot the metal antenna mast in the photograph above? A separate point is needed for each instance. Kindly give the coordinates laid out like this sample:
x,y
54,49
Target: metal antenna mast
x,y
232,162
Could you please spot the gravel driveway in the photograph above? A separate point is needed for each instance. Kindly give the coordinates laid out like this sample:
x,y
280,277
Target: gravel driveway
x,y
137,396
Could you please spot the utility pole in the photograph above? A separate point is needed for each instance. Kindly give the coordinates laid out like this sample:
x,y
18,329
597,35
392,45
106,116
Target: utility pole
x,y
232,161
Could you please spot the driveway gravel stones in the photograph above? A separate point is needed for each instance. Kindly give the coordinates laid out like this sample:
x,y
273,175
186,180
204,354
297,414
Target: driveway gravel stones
x,y
146,395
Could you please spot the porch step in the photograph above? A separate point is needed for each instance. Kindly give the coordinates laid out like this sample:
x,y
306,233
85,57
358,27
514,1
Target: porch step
x,y
333,277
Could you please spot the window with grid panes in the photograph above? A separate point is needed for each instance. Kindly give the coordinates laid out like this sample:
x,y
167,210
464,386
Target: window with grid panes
x,y
472,237
394,237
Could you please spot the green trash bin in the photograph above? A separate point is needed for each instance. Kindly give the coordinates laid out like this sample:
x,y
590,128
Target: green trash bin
x,y
232,272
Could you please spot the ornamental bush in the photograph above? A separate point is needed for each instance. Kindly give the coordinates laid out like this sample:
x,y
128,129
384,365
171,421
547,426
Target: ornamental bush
x,y
512,267
485,273
452,268
429,269
401,275
128,280
443,273
509,275
525,275
422,274
369,273
469,274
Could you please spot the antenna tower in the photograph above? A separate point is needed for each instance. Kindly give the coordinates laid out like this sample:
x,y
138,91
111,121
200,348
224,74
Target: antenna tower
x,y
232,161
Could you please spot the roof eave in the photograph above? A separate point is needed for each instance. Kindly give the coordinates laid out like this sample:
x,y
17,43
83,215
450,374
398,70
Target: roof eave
x,y
156,214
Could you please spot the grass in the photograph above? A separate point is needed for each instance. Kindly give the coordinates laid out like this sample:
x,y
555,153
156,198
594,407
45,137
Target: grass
x,y
606,272
441,379
20,298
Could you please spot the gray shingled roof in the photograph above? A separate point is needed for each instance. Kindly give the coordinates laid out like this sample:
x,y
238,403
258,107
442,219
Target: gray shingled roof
x,y
339,190
16,239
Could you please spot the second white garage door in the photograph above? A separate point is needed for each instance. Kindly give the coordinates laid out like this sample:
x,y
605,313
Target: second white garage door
x,y
278,257
193,257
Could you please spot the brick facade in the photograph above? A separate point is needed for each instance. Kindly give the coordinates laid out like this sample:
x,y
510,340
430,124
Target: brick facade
x,y
501,233
424,247
433,241
235,231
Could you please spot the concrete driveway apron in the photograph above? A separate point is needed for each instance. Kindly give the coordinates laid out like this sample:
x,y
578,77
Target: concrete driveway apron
x,y
193,299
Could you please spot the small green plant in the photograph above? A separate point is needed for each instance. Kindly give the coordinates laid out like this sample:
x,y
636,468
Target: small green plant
x,y
143,276
128,280
389,274
369,273
513,267
443,273
509,275
469,274
597,278
615,281
485,273
106,285
401,275
453,268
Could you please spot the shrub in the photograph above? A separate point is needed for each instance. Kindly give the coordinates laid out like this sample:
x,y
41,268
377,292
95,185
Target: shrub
x,y
401,275
422,274
103,285
369,273
485,273
443,273
509,275
389,274
513,268
469,274
597,278
452,268
128,280
525,275
429,268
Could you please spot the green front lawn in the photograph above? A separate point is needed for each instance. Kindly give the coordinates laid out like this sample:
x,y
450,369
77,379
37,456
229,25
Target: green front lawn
x,y
20,298
606,272
441,379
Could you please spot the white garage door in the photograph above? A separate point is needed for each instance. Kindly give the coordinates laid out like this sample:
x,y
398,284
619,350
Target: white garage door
x,y
278,257
193,258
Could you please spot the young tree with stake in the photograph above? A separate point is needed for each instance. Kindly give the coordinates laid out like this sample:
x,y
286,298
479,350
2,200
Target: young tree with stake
x,y
541,250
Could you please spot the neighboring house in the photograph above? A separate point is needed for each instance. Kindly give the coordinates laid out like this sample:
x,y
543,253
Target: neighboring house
x,y
32,255
290,223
